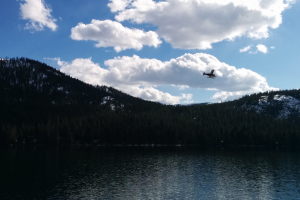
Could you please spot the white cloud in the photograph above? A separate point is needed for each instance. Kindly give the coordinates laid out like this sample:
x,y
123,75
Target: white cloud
x,y
262,48
118,5
109,33
185,70
38,14
153,94
87,71
141,77
245,49
197,24
259,48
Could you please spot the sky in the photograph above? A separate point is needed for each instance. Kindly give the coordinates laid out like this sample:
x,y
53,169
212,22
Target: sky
x,y
158,49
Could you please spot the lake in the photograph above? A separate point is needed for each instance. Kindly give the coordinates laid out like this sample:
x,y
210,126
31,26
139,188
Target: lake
x,y
167,174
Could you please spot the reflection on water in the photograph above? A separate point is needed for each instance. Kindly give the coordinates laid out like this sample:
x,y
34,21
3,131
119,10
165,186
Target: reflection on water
x,y
148,174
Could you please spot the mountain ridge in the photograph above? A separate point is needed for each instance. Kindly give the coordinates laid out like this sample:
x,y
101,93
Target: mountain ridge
x,y
57,87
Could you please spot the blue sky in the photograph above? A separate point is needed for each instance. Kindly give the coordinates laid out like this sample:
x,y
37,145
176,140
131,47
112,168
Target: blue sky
x,y
158,50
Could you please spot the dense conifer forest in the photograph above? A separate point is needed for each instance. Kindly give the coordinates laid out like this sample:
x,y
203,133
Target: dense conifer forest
x,y
41,106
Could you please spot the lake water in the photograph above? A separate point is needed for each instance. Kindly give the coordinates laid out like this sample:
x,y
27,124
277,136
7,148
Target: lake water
x,y
148,174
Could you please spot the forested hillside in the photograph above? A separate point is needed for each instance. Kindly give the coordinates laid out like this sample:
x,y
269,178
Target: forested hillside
x,y
41,106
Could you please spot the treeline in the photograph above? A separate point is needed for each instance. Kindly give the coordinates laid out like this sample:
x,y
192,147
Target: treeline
x,y
213,125
41,106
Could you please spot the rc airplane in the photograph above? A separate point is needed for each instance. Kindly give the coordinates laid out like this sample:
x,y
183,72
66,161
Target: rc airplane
x,y
210,75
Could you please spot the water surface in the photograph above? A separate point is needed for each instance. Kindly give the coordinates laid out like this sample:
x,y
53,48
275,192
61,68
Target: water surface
x,y
148,174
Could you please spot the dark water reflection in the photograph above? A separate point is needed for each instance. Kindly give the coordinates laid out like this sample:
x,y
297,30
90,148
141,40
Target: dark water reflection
x,y
148,174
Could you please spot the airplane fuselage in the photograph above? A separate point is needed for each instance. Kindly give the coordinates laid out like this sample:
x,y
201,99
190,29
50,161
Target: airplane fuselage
x,y
209,75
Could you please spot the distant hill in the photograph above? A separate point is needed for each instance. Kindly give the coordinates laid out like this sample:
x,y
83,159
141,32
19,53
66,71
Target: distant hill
x,y
42,106
25,81
283,104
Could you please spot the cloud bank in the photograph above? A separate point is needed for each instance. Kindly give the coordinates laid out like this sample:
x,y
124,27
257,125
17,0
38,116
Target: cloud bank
x,y
109,33
141,77
197,24
38,15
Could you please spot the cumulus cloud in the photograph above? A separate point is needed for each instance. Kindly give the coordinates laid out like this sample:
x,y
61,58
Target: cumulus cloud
x,y
197,24
87,71
38,14
109,33
262,48
142,77
118,5
186,70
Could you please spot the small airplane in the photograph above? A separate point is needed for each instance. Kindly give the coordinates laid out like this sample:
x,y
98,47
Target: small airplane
x,y
210,75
